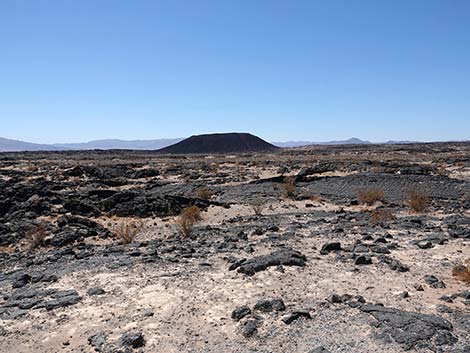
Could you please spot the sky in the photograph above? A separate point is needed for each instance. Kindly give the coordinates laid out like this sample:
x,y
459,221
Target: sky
x,y
317,70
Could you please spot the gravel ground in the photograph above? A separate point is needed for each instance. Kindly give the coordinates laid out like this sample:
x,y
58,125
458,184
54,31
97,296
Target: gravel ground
x,y
386,287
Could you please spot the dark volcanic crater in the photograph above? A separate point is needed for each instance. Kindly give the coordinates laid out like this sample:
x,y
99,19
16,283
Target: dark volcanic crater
x,y
220,143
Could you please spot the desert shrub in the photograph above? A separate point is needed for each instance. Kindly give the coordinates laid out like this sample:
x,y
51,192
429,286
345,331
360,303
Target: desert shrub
x,y
126,232
258,207
204,193
317,198
36,236
192,213
189,217
289,186
214,168
417,200
283,169
185,226
462,272
441,171
381,216
371,195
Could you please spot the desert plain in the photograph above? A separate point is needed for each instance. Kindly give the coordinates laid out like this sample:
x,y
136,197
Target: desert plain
x,y
305,250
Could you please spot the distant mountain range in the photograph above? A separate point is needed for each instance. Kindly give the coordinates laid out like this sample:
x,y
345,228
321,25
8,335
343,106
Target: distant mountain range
x,y
120,144
351,141
7,145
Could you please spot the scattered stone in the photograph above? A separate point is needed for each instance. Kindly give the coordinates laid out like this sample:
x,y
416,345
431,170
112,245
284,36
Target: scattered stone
x,y
98,341
434,282
359,248
465,295
240,312
446,299
394,264
425,244
43,277
444,309
335,299
329,247
381,240
96,291
269,305
280,257
319,350
295,316
63,299
148,313
134,339
250,327
363,260
351,300
235,263
404,295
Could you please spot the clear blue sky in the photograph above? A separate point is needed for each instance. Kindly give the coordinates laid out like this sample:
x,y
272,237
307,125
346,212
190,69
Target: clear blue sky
x,y
77,70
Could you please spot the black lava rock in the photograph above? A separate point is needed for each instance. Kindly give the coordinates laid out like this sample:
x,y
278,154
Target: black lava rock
x,y
250,327
295,316
329,247
434,282
412,330
281,257
269,305
363,260
96,291
319,350
134,339
240,312
21,280
98,341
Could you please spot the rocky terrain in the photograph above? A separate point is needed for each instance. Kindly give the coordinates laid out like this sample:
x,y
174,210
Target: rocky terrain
x,y
307,250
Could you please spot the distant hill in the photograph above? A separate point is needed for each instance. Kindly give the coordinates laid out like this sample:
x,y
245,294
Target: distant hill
x,y
112,144
288,144
7,145
220,143
391,142
351,141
